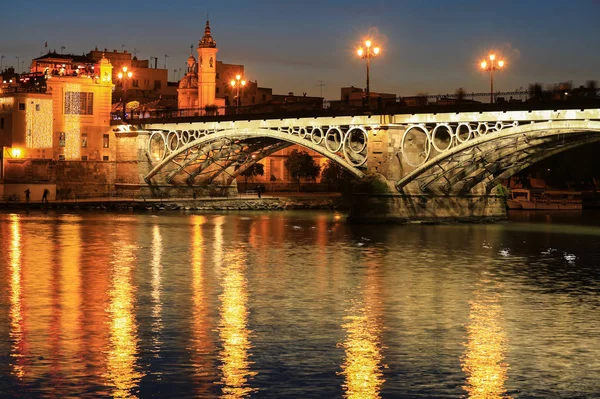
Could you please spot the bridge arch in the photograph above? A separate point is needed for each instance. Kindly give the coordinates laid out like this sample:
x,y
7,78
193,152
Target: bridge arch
x,y
190,146
480,163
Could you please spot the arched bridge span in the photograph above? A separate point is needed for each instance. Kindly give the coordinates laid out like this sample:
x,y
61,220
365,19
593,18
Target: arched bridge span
x,y
481,159
443,153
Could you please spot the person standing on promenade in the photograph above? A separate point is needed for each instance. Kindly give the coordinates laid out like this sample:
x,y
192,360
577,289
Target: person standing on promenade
x,y
45,195
27,195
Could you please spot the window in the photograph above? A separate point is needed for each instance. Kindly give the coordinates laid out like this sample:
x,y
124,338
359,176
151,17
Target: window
x,y
83,140
217,75
79,103
61,157
21,106
37,107
62,139
105,157
156,84
217,90
253,99
105,142
84,157
135,83
1,123
264,97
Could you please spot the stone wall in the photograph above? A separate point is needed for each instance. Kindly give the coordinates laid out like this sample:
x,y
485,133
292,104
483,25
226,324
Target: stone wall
x,y
390,208
81,179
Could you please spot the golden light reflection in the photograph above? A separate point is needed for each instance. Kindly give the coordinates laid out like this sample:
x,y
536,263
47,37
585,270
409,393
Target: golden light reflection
x,y
233,330
70,291
483,361
363,363
218,243
157,325
16,300
122,371
201,327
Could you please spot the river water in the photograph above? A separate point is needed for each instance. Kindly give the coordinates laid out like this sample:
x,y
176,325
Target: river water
x,y
297,305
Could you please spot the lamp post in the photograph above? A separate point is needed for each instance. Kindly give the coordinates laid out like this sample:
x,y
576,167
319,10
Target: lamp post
x,y
122,75
369,52
237,83
492,66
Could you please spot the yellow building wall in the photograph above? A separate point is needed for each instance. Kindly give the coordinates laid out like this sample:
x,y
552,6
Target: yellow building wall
x,y
77,134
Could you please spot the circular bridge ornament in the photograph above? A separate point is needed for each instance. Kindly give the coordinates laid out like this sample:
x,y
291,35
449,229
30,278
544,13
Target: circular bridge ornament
x,y
157,146
334,135
316,135
418,147
355,145
434,136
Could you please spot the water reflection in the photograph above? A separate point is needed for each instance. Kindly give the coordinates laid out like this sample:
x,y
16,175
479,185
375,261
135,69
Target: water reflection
x,y
201,326
363,363
122,369
484,359
156,267
16,300
68,349
233,328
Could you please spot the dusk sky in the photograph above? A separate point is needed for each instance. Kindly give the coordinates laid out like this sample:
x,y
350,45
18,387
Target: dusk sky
x,y
428,47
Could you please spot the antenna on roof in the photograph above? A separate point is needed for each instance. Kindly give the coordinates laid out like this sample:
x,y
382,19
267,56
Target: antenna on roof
x,y
321,84
62,48
135,51
122,47
166,56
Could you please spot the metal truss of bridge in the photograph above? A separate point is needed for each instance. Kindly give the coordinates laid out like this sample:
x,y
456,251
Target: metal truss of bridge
x,y
445,153
206,150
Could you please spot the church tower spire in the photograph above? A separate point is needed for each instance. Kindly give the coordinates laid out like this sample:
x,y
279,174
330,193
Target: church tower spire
x,y
207,68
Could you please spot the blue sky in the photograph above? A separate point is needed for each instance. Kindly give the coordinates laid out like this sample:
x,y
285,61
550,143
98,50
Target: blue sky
x,y
429,47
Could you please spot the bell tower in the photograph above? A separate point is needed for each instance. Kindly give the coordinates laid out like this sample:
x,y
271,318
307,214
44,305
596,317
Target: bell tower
x,y
207,69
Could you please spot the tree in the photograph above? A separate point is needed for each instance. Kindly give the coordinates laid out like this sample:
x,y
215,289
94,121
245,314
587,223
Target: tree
x,y
338,178
300,165
256,169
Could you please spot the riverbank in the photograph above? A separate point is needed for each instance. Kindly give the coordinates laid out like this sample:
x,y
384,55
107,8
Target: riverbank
x,y
288,201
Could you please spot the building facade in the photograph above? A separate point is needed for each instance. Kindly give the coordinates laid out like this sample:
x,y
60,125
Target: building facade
x,y
59,136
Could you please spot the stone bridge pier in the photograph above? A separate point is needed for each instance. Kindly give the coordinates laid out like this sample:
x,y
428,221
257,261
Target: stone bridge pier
x,y
381,200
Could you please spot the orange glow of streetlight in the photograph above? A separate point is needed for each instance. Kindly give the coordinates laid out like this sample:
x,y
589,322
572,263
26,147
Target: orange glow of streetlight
x,y
237,83
492,66
367,54
124,73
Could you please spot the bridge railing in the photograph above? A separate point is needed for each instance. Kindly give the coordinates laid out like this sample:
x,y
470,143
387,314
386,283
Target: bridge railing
x,y
461,101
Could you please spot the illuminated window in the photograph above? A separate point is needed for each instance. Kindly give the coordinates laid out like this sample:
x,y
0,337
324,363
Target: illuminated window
x,y
105,157
21,106
62,139
79,103
105,141
83,140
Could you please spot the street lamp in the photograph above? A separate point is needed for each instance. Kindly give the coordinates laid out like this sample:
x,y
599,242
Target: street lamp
x,y
122,75
492,66
370,51
237,83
